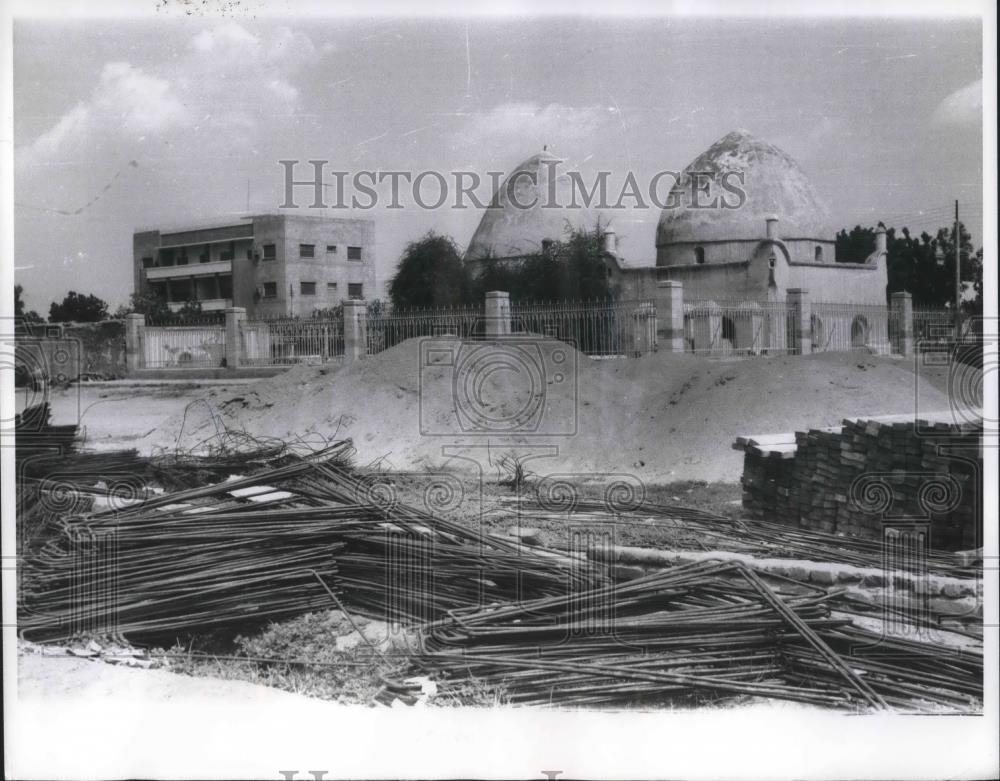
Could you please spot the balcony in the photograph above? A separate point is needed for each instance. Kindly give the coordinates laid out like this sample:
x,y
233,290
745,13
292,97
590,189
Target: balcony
x,y
190,270
207,304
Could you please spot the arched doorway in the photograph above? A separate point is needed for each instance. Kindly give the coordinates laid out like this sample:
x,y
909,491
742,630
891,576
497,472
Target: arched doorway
x,y
859,332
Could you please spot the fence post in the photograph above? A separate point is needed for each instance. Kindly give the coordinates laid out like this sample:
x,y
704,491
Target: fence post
x,y
671,296
644,332
800,310
134,358
901,312
497,310
355,327
234,315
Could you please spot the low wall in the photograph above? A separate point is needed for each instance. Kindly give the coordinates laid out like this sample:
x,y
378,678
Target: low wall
x,y
68,352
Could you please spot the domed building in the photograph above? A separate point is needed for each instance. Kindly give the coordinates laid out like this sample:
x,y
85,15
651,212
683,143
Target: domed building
x,y
526,212
744,224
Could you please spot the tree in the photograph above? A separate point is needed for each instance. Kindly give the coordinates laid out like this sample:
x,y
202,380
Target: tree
x,y
913,264
149,304
78,308
430,274
30,316
568,270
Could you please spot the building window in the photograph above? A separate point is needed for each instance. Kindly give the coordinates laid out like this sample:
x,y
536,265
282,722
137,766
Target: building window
x,y
270,290
230,253
307,250
355,291
354,253
699,255
331,249
270,252
331,287
819,254
307,288
147,262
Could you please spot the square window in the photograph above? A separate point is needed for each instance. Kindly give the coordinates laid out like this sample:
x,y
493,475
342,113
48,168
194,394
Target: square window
x,y
270,290
307,250
331,287
355,290
331,248
270,252
147,263
354,253
307,288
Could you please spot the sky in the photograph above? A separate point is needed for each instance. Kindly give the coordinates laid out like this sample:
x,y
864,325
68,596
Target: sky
x,y
127,124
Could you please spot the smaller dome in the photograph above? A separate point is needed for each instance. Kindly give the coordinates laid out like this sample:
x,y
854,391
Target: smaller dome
x,y
518,219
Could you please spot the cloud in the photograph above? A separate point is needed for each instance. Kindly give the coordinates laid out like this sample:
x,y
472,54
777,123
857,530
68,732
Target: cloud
x,y
964,106
218,92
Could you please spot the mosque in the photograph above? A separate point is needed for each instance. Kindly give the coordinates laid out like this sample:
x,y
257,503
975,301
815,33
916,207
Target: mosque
x,y
779,238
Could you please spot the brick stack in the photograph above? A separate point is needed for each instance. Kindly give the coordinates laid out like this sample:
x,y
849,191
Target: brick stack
x,y
855,478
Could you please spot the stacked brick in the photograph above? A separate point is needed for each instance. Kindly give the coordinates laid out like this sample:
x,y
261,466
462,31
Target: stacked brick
x,y
865,474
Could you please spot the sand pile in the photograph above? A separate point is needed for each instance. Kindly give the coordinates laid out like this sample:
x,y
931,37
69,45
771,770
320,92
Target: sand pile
x,y
661,418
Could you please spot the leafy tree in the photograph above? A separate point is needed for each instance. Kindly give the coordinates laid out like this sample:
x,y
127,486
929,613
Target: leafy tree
x,y
78,308
568,270
430,274
913,264
30,316
148,303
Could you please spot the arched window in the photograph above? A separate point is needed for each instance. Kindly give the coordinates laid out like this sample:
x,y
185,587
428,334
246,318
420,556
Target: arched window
x,y
819,254
699,255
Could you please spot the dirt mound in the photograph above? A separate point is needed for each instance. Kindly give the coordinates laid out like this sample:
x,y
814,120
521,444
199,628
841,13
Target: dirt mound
x,y
425,405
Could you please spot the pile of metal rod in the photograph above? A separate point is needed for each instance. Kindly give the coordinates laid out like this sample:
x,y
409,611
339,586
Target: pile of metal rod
x,y
267,546
692,633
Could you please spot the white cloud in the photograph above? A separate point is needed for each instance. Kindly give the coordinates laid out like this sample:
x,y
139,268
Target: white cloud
x,y
227,81
964,106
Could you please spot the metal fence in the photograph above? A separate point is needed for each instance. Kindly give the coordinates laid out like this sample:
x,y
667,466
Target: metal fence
x,y
739,328
933,325
847,327
183,347
386,328
284,342
596,328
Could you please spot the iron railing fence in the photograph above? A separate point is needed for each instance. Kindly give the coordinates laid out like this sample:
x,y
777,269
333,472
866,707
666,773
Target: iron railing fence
x,y
840,327
596,328
740,328
287,341
187,321
387,328
931,325
183,347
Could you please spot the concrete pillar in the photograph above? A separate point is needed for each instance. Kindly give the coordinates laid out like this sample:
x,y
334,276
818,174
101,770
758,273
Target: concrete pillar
x,y
497,307
234,316
355,329
800,310
134,357
901,318
670,315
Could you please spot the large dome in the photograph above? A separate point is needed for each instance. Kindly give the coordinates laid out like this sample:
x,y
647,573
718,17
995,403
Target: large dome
x,y
516,224
774,186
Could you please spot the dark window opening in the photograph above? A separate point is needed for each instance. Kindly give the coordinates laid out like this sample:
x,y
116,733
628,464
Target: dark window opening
x,y
270,290
331,248
229,253
307,250
355,290
354,253
307,288
699,255
331,286
819,254
729,331
270,252
147,262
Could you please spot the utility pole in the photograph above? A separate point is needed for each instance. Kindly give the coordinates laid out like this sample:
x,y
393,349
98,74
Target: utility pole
x,y
958,277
